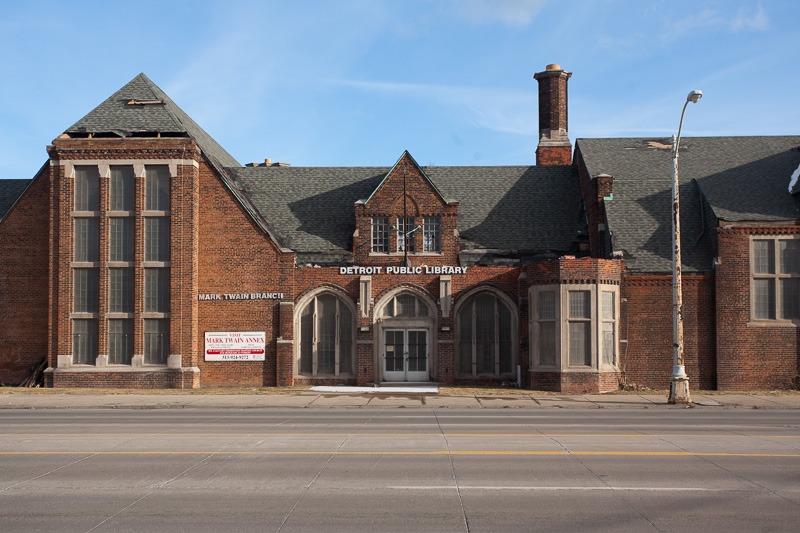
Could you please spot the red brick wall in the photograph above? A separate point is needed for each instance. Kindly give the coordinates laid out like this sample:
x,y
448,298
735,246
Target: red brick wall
x,y
553,155
24,237
183,216
646,359
502,279
169,379
750,355
422,201
236,256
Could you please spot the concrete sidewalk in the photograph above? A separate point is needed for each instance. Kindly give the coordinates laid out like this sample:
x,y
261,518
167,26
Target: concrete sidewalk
x,y
383,398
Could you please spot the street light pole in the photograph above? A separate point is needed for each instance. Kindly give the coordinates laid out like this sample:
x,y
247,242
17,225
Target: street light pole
x,y
679,386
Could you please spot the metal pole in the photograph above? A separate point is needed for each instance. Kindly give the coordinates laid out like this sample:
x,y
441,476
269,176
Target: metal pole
x,y
405,222
679,386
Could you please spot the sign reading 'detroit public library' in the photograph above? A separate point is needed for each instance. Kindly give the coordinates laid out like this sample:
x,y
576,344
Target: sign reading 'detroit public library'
x,y
236,345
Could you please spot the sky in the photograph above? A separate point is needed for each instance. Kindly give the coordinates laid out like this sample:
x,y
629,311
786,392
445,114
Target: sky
x,y
357,82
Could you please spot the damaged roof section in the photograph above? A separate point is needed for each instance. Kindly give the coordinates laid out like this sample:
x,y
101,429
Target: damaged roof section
x,y
142,109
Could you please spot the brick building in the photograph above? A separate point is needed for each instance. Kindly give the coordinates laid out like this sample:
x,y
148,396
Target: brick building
x,y
143,255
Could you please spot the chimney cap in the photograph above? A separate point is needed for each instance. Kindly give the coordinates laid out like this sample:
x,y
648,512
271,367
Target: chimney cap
x,y
553,66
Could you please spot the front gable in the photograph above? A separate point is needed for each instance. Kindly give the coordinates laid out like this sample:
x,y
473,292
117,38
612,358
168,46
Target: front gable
x,y
407,194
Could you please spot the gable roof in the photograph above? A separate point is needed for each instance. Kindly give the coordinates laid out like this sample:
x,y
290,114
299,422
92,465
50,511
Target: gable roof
x,y
521,210
734,179
407,155
142,107
10,191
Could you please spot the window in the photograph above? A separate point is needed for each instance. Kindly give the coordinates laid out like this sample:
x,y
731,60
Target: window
x,y
579,328
85,290
485,336
87,189
84,341
87,239
156,188
380,234
156,239
574,327
326,337
85,278
121,194
608,327
156,290
120,239
405,234
776,279
431,235
112,199
547,328
404,305
120,341
120,290
156,341
156,256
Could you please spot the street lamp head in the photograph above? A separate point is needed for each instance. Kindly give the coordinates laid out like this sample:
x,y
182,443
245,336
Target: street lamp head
x,y
694,96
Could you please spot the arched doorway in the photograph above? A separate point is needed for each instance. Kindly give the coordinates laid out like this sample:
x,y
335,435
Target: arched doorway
x,y
405,343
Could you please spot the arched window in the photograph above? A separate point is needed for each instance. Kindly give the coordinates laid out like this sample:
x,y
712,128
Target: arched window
x,y
485,336
326,337
404,305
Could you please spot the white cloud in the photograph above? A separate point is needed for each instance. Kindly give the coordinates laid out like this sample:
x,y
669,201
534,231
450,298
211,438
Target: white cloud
x,y
509,12
746,21
708,18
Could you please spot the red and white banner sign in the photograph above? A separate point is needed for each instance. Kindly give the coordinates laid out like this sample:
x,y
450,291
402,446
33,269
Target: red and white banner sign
x,y
236,345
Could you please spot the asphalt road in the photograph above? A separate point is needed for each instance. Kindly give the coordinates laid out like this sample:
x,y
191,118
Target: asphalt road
x,y
399,470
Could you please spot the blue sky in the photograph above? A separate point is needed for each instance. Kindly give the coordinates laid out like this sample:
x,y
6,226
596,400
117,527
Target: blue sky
x,y
356,82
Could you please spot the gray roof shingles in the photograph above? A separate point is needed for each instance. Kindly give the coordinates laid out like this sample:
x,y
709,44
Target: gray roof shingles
x,y
516,209
738,178
116,116
10,191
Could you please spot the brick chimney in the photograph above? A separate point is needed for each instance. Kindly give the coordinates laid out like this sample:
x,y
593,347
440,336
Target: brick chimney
x,y
554,146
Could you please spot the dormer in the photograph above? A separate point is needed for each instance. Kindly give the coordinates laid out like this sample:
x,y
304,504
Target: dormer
x,y
406,219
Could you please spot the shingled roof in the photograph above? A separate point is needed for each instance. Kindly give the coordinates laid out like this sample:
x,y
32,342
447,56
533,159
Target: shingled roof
x,y
520,210
141,107
735,179
10,191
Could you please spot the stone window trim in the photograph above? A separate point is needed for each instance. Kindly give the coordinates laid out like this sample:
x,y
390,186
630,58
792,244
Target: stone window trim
x,y
343,299
104,167
562,321
776,276
424,321
422,299
501,298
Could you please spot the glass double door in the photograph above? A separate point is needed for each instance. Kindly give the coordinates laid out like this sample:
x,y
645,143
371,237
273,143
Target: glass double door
x,y
405,355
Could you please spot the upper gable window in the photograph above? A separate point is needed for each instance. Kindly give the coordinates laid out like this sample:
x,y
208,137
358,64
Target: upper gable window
x,y
432,234
380,234
405,235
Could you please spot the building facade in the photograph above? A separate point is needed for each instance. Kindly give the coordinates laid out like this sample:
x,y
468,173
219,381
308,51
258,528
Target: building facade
x,y
143,255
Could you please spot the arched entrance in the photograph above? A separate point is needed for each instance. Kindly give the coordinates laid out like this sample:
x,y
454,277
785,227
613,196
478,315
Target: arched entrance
x,y
405,344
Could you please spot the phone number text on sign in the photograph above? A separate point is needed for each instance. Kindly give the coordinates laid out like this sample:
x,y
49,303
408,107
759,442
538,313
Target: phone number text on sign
x,y
235,346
